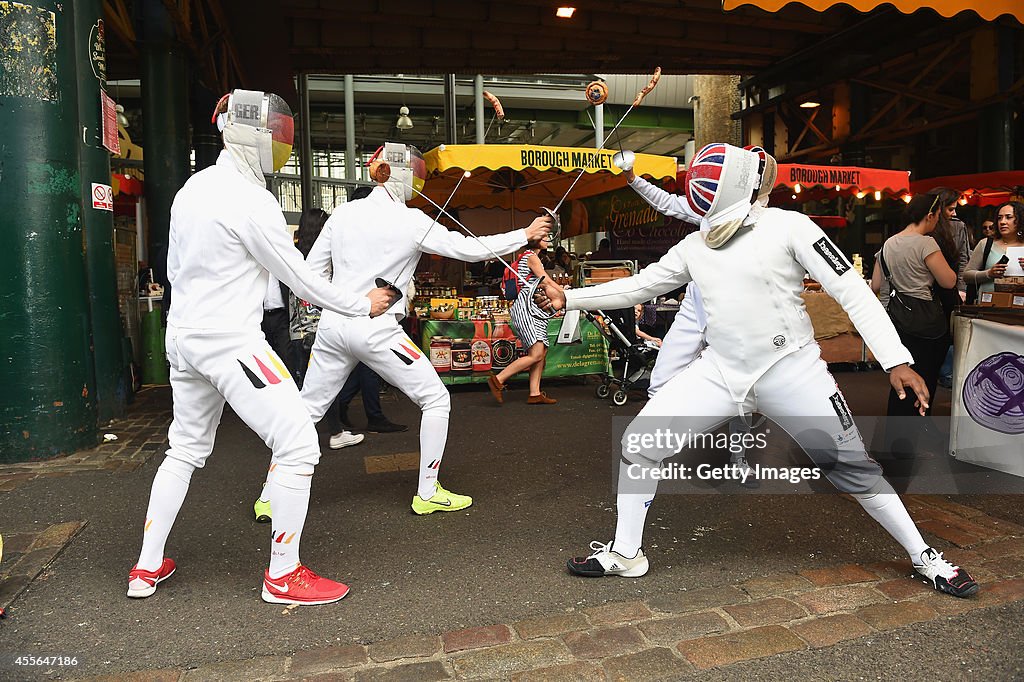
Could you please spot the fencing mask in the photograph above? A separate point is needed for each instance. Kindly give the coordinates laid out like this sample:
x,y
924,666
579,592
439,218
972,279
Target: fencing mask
x,y
720,185
258,129
407,168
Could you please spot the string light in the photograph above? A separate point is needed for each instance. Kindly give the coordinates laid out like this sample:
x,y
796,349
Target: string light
x,y
878,196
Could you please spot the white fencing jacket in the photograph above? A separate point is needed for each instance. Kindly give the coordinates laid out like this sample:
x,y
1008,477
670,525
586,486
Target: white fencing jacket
x,y
380,237
751,289
226,232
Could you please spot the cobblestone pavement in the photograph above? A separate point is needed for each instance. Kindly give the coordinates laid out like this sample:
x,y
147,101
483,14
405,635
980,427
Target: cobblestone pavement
x,y
765,624
690,631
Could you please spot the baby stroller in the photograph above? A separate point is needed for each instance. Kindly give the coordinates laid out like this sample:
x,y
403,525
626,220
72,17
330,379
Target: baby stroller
x,y
632,371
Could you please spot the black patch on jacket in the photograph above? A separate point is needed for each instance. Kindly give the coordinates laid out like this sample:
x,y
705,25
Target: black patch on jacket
x,y
832,255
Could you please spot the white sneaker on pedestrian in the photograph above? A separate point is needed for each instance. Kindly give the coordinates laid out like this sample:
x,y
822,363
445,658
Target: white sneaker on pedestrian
x,y
944,576
606,561
345,439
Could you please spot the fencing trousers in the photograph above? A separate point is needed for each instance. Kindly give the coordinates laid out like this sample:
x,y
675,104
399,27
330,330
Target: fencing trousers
x,y
382,345
209,369
800,395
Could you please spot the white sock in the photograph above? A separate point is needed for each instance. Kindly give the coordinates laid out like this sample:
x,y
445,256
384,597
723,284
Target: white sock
x,y
170,485
886,507
433,436
289,500
632,509
265,493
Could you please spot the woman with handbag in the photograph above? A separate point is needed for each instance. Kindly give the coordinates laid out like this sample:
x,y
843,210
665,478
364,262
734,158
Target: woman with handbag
x,y
912,263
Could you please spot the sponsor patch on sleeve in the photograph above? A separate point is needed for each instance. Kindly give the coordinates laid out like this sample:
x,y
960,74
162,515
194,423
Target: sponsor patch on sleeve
x,y
831,254
842,410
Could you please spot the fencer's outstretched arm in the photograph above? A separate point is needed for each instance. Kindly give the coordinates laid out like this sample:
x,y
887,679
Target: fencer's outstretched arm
x,y
827,264
669,273
265,235
441,241
664,202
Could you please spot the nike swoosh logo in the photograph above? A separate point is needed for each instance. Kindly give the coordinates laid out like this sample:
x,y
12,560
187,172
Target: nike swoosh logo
x,y
283,587
446,503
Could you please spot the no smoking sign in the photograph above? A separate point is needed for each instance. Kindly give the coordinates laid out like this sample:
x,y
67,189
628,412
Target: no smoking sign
x,y
102,197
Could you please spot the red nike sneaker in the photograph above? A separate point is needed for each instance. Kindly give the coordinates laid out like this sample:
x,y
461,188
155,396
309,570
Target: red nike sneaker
x,y
302,586
143,583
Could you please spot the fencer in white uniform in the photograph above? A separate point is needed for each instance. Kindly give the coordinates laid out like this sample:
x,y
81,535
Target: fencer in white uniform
x,y
761,356
381,237
226,232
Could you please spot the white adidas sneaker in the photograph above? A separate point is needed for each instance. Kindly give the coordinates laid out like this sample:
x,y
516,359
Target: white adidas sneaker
x,y
606,561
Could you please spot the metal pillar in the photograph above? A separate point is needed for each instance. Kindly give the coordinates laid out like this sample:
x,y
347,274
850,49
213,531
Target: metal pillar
x,y
98,223
599,126
205,140
450,135
478,103
48,405
305,145
350,129
165,119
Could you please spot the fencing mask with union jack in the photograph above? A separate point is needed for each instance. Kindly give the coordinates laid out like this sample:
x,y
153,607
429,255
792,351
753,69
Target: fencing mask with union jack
x,y
720,185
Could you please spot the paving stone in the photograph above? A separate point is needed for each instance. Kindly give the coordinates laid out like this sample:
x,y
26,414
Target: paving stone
x,y
413,646
839,575
570,672
621,612
946,605
1007,590
502,661
774,585
12,586
379,464
648,665
949,506
141,676
424,671
32,563
17,543
829,630
602,643
903,588
697,600
711,652
843,598
888,616
1005,567
327,659
678,628
888,570
1000,526
551,626
960,532
253,670
765,612
474,638
1001,548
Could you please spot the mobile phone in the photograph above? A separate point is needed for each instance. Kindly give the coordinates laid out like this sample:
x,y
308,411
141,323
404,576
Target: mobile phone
x,y
1003,261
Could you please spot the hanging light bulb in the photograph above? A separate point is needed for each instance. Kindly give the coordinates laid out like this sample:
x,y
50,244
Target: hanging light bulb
x,y
878,196
403,122
121,118
797,188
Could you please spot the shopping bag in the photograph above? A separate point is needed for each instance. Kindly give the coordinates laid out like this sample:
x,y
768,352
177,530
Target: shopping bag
x,y
570,329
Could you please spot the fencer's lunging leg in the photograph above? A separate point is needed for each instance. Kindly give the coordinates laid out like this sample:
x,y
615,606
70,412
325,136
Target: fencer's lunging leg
x,y
170,485
885,507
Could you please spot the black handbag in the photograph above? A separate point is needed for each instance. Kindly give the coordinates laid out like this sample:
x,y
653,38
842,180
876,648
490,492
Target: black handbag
x,y
913,316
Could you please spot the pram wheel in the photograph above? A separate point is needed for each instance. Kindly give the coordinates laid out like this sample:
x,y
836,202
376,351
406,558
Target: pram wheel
x,y
620,397
603,391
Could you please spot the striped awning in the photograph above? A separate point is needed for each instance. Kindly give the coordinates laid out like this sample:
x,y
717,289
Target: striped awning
x,y
990,10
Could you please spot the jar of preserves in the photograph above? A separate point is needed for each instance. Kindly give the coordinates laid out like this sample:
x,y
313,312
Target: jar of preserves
x,y
462,356
481,351
441,354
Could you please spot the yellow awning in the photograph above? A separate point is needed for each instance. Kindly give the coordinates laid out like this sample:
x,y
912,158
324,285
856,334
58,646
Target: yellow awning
x,y
526,177
989,10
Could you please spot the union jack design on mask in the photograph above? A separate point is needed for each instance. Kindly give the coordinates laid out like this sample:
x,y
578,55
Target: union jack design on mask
x,y
703,177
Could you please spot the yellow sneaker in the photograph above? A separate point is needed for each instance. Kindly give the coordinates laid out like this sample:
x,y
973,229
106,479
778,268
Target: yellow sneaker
x,y
262,510
443,500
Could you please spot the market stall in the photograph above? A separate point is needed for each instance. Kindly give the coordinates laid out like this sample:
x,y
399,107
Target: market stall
x,y
978,189
988,387
466,351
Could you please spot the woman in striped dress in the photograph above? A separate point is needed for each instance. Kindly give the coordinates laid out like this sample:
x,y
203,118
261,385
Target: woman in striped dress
x,y
532,332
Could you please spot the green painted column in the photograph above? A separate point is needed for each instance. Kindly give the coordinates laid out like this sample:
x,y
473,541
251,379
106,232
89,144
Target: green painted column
x,y
165,118
47,405
98,222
